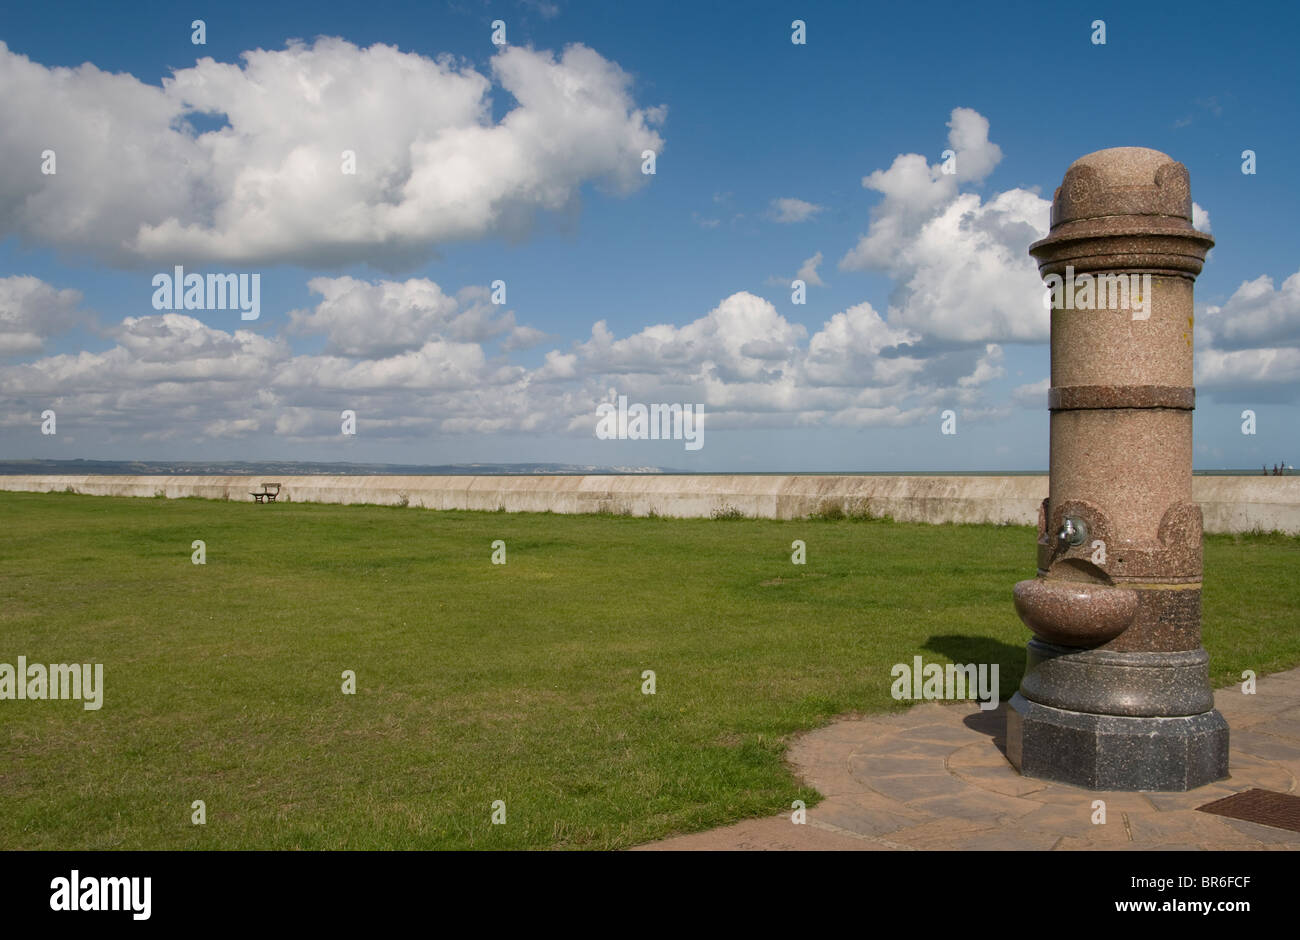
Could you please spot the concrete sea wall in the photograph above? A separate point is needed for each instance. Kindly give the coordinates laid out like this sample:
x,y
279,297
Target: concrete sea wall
x,y
1229,504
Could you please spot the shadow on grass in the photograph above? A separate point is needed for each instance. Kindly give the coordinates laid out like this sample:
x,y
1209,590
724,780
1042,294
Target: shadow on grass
x,y
981,649
1011,666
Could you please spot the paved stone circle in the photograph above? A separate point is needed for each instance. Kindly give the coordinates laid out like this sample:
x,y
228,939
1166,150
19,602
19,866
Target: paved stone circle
x,y
936,777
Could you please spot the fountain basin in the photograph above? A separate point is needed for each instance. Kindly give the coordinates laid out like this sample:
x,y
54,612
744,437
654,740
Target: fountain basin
x,y
1073,613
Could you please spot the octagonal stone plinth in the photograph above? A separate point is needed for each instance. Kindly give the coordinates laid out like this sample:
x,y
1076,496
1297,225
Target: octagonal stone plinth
x,y
1113,752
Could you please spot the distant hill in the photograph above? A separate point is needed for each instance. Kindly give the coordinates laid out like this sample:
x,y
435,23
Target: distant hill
x,y
299,467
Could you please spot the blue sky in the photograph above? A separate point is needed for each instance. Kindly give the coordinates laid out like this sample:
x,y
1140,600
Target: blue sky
x,y
522,163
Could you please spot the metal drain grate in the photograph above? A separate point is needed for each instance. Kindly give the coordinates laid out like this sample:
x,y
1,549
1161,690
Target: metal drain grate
x,y
1279,810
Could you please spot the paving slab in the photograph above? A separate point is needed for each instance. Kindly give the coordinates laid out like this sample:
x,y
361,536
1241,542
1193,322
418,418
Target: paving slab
x,y
937,778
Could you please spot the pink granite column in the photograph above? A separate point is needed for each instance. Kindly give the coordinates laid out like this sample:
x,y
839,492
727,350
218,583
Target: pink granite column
x,y
1116,693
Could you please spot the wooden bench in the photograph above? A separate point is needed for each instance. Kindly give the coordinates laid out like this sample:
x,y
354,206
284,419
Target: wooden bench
x,y
269,492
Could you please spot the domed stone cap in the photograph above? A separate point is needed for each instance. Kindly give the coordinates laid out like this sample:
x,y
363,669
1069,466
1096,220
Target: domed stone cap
x,y
1123,209
1123,181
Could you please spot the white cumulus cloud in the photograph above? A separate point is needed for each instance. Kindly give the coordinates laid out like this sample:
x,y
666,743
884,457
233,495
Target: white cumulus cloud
x,y
793,210
372,320
136,182
31,311
960,264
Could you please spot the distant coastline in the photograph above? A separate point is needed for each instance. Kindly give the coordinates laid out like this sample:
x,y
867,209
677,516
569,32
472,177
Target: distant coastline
x,y
183,468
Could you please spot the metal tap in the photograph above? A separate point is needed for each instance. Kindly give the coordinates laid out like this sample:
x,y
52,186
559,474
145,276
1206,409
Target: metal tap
x,y
1074,532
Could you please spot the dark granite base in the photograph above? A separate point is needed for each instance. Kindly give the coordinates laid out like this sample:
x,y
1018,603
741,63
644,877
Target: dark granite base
x,y
1112,752
1104,682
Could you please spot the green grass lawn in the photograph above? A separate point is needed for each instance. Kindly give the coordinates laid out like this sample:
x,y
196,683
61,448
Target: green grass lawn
x,y
479,682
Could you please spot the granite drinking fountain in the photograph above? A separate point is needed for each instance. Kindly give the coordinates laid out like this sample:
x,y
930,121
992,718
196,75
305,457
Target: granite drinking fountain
x,y
1116,692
